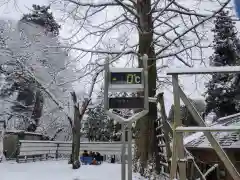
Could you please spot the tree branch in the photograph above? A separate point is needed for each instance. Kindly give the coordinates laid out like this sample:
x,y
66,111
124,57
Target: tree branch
x,y
194,26
127,8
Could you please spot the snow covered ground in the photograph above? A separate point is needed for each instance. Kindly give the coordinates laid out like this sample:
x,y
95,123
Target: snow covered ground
x,y
59,170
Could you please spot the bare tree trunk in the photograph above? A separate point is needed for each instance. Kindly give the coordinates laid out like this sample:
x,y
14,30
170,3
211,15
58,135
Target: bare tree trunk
x,y
146,125
76,127
76,134
37,111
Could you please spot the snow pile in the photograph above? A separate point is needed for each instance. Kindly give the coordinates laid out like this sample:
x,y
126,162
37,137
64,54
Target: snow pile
x,y
60,170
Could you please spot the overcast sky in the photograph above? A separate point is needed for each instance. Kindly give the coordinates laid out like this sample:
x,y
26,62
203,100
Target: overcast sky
x,y
15,10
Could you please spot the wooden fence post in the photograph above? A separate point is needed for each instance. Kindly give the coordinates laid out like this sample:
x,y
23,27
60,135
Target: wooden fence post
x,y
56,155
18,151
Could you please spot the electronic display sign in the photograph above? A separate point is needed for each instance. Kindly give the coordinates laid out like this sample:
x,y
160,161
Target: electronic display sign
x,y
126,77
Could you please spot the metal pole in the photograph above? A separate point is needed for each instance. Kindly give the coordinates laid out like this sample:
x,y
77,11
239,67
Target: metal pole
x,y
123,168
129,151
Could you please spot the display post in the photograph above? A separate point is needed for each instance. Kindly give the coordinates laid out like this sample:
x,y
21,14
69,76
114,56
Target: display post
x,y
123,154
126,80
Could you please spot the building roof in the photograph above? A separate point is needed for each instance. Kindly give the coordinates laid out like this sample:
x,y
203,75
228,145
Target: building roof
x,y
17,132
226,139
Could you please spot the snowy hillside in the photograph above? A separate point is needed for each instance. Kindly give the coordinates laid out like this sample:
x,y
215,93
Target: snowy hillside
x,y
26,43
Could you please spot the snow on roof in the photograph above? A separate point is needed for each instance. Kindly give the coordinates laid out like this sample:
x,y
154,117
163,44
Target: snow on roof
x,y
19,131
229,117
192,137
226,139
204,70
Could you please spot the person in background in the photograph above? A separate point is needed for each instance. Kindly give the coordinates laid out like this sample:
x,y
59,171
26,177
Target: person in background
x,y
85,153
90,153
99,157
94,162
113,159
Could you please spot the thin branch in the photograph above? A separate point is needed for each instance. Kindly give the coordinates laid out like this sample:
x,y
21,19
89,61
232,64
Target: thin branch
x,y
127,8
96,51
94,5
194,26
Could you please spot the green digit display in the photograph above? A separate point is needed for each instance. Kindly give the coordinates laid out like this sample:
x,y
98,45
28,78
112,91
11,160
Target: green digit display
x,y
126,78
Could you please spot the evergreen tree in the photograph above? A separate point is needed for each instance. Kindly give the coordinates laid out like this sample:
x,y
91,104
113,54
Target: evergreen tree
x,y
223,88
40,15
117,132
99,126
185,115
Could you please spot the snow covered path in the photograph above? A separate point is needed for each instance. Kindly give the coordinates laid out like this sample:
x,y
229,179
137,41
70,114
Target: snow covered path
x,y
59,170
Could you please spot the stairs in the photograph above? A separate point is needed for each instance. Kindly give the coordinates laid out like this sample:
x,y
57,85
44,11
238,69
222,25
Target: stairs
x,y
162,152
163,133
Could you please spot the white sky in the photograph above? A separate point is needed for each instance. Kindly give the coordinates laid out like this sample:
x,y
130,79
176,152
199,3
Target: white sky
x,y
15,11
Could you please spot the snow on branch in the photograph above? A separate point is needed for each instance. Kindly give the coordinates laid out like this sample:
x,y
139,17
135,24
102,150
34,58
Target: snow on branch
x,y
88,99
193,27
92,4
125,6
96,51
177,29
55,100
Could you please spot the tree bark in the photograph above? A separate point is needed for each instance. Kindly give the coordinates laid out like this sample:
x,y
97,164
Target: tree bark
x,y
37,111
76,127
76,134
146,124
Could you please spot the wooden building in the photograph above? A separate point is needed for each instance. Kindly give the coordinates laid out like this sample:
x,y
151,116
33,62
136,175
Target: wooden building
x,y
206,157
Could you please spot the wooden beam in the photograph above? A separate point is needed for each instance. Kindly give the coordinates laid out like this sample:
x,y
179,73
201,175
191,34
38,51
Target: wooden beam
x,y
178,155
210,70
210,128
